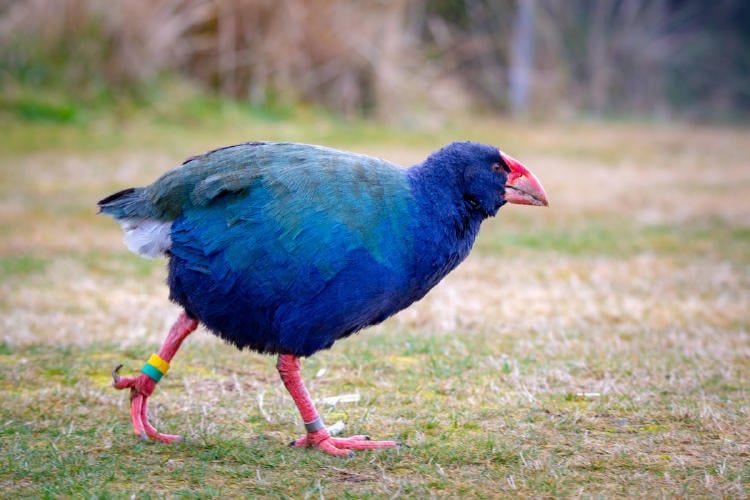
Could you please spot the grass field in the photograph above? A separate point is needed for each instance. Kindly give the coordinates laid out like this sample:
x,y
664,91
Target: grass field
x,y
600,347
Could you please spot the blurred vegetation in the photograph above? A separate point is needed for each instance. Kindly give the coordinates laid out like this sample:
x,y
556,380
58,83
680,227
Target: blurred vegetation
x,y
409,62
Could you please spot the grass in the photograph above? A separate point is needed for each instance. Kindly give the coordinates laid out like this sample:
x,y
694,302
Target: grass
x,y
600,347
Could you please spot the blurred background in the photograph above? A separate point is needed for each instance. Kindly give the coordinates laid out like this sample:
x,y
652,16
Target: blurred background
x,y
406,62
598,345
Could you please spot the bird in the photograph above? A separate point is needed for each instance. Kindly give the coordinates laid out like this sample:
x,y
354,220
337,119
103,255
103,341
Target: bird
x,y
284,248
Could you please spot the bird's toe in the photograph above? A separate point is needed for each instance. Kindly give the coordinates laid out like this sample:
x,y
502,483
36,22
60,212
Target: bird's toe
x,y
116,374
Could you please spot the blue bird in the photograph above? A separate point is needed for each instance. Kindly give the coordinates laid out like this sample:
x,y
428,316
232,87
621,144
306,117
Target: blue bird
x,y
286,248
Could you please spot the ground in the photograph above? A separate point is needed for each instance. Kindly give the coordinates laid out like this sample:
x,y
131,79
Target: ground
x,y
597,347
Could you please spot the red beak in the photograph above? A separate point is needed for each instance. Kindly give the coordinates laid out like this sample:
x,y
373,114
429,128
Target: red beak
x,y
522,187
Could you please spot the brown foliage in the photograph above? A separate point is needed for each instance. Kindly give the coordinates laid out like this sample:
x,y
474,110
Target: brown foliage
x,y
390,58
325,51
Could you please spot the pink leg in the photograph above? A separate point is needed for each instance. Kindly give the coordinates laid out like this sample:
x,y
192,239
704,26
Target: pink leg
x,y
141,386
317,435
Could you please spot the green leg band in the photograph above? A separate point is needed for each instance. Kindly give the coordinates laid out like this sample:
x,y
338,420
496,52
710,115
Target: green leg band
x,y
152,372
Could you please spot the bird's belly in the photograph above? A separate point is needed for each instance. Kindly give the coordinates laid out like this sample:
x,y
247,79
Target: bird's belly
x,y
278,320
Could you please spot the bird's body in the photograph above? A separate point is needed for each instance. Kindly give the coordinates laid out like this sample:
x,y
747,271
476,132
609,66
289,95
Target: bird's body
x,y
285,248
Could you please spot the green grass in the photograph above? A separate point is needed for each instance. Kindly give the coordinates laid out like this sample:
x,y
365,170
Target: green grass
x,y
170,118
473,429
21,265
596,348
597,237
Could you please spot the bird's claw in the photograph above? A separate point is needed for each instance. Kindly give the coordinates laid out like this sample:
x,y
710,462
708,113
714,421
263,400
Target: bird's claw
x,y
116,374
341,447
141,387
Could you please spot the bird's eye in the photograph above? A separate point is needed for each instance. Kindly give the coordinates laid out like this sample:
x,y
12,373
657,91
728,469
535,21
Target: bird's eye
x,y
500,167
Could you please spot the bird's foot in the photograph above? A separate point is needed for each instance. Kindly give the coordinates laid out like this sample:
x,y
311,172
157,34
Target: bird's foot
x,y
141,387
341,447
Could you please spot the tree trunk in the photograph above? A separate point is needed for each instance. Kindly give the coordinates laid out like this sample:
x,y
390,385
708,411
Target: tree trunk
x,y
522,57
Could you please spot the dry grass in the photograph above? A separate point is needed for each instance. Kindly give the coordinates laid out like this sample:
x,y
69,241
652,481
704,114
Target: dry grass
x,y
600,347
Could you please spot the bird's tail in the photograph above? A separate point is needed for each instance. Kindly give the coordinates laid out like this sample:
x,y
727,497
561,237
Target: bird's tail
x,y
145,234
130,202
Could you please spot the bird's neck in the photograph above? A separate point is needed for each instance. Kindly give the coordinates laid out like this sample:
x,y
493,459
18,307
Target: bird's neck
x,y
448,220
442,198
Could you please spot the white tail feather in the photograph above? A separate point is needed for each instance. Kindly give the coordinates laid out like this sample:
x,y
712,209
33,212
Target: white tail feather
x,y
147,237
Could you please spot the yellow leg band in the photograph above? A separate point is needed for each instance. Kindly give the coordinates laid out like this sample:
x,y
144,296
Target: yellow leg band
x,y
158,363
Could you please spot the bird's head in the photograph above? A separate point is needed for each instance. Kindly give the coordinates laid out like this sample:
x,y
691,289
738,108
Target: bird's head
x,y
490,178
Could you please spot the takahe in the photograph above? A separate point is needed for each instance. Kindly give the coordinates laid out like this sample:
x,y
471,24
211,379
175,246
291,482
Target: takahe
x,y
286,248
